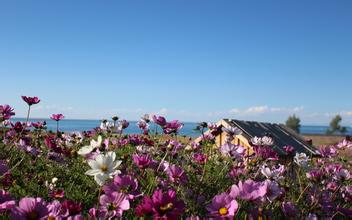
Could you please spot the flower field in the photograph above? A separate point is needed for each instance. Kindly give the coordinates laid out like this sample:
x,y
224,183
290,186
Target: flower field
x,y
105,174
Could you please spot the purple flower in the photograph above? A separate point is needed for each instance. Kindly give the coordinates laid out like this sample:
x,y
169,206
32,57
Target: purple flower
x,y
143,161
176,174
222,206
231,150
6,201
6,112
57,117
30,208
327,151
266,152
314,174
289,150
125,184
71,208
273,190
200,158
161,205
289,210
123,124
251,190
113,205
172,127
159,120
31,100
39,125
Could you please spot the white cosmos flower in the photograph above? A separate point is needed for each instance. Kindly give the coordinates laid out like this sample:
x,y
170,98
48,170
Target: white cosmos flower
x,y
89,148
274,173
301,159
104,167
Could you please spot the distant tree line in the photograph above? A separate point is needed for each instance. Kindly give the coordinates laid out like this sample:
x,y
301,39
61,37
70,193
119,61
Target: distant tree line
x,y
335,127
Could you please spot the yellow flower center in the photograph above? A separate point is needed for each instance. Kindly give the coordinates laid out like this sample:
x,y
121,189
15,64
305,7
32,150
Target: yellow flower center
x,y
104,168
166,207
51,218
223,211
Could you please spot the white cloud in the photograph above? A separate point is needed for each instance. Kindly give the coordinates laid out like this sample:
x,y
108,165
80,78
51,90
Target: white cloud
x,y
163,111
257,109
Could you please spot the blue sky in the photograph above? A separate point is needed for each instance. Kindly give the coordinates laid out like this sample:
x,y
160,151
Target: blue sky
x,y
190,60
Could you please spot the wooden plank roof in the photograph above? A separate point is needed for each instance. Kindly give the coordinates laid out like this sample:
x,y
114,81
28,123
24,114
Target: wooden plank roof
x,y
281,135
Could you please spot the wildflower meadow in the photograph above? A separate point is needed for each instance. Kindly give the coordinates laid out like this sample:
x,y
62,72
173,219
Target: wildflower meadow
x,y
157,174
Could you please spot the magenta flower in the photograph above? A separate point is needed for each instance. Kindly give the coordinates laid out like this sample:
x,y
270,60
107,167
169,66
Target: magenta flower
x,y
143,161
71,208
266,152
6,112
6,201
314,174
159,120
172,127
176,174
223,206
57,117
31,100
200,158
125,184
289,150
30,208
251,190
113,205
161,205
123,124
39,124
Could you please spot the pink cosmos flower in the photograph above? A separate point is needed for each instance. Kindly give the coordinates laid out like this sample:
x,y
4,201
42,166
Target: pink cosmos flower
x,y
289,150
112,205
57,117
172,127
142,161
6,201
223,206
125,184
159,120
161,205
327,151
31,100
30,208
39,124
6,112
200,158
251,190
176,174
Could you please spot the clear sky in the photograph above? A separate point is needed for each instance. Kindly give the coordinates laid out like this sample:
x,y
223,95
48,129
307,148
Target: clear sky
x,y
192,60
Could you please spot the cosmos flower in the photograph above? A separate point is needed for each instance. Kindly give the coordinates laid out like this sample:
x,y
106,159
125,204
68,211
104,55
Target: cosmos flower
x,y
176,174
31,100
327,151
89,148
57,117
159,120
125,184
142,161
30,208
172,127
301,159
6,112
231,130
6,201
104,167
222,206
112,205
275,173
251,190
162,205
273,190
262,141
231,150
